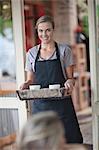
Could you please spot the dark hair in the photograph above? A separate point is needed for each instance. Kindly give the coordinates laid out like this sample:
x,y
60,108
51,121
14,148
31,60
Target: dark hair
x,y
45,18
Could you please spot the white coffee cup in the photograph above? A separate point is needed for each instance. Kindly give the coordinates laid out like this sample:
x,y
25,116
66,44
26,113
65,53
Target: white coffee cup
x,y
34,87
54,86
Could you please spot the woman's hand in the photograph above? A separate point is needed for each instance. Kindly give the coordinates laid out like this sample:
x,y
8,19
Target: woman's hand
x,y
29,81
69,84
24,86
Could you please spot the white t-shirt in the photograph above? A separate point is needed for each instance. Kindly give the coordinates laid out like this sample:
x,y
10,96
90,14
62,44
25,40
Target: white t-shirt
x,y
66,57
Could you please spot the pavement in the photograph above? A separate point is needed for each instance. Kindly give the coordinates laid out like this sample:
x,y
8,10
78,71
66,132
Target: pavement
x,y
85,122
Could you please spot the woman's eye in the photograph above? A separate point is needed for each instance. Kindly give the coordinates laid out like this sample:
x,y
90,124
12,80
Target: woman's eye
x,y
48,30
40,30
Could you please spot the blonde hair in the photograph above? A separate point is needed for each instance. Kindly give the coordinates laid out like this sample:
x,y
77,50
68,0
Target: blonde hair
x,y
43,131
45,18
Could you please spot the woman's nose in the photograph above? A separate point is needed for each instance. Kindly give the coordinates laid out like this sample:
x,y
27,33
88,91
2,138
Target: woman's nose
x,y
44,33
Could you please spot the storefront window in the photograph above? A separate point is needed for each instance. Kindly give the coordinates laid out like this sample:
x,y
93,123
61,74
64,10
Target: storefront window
x,y
7,50
58,10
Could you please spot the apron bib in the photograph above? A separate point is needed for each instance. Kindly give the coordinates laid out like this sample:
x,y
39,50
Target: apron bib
x,y
50,72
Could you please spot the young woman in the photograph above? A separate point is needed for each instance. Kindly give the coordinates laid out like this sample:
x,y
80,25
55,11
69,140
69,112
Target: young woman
x,y
52,63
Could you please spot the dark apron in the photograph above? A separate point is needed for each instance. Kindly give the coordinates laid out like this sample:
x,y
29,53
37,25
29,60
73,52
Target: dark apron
x,y
50,72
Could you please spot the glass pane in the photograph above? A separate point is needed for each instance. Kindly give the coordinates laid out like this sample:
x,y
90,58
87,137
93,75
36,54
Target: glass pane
x,y
7,50
33,9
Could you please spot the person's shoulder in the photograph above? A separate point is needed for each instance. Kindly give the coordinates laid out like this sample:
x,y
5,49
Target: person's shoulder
x,y
34,50
64,47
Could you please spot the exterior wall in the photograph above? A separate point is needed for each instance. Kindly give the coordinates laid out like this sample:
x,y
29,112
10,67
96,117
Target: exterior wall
x,y
65,17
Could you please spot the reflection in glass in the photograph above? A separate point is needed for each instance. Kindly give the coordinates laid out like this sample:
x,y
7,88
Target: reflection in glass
x,y
7,51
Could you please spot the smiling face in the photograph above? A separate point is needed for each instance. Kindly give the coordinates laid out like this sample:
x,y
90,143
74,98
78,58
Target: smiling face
x,y
45,32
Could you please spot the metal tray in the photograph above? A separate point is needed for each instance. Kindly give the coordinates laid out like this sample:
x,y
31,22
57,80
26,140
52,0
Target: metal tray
x,y
43,93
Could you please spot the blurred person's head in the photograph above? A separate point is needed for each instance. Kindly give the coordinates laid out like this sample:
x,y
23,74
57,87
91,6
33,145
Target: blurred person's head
x,y
43,131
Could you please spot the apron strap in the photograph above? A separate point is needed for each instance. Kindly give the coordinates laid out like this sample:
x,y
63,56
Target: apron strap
x,y
38,53
57,54
57,51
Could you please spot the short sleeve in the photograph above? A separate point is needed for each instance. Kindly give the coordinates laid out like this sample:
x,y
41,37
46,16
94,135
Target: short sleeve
x,y
28,64
68,57
30,59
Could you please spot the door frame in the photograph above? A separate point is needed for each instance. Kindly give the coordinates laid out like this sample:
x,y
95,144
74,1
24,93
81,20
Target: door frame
x,y
94,73
18,35
19,42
